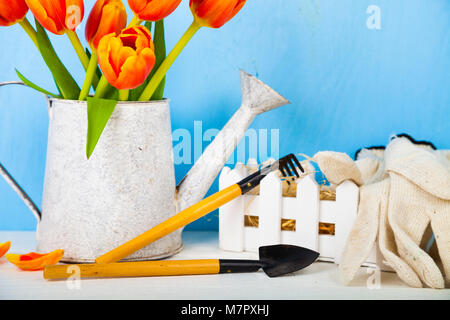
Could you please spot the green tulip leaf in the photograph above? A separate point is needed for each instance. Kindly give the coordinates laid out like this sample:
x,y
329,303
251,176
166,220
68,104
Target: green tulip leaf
x,y
35,87
64,80
99,112
57,87
160,52
112,93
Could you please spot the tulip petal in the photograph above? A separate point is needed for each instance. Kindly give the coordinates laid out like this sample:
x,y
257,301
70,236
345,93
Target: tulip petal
x,y
153,10
215,13
12,12
137,5
73,13
136,69
159,9
236,9
4,247
126,60
44,11
110,18
104,53
35,261
5,22
57,16
94,21
119,54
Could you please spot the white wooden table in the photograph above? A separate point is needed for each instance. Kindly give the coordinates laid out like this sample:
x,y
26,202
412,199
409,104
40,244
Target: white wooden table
x,y
319,281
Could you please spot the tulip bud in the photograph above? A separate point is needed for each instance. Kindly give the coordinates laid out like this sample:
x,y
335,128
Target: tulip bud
x,y
12,11
127,59
215,13
107,16
57,16
153,10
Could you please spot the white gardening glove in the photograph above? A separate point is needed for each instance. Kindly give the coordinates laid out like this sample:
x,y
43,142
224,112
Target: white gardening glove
x,y
419,195
338,167
368,172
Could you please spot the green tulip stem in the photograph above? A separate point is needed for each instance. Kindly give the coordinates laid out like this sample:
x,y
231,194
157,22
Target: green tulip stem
x,y
123,95
26,25
90,74
167,63
135,22
102,87
81,53
79,49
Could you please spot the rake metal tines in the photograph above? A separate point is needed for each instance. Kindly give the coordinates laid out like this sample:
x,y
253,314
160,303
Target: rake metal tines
x,y
288,167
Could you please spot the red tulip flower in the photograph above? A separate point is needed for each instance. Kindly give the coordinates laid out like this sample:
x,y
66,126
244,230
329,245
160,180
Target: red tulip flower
x,y
107,16
12,11
127,59
215,13
153,10
57,16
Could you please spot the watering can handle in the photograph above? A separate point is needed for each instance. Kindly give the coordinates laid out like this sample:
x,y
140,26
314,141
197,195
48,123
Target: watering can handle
x,y
13,183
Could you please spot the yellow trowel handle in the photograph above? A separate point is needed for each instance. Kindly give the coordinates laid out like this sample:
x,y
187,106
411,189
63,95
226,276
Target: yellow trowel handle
x,y
133,269
176,222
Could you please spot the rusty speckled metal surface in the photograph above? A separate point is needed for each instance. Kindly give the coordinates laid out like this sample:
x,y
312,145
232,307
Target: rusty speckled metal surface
x,y
125,188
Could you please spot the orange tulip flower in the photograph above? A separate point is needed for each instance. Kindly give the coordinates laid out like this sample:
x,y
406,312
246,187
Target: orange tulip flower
x,y
127,59
107,16
207,13
4,247
35,261
57,16
153,10
215,13
12,11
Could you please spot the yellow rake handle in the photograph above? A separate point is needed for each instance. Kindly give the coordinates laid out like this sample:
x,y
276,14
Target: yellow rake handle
x,y
178,221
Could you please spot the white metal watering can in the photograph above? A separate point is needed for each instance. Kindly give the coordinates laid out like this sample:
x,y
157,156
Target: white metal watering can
x,y
128,185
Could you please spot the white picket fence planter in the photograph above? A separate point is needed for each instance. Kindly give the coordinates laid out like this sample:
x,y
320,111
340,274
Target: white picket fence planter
x,y
306,209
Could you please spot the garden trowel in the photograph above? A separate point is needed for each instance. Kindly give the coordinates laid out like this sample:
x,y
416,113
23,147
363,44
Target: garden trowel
x,y
275,260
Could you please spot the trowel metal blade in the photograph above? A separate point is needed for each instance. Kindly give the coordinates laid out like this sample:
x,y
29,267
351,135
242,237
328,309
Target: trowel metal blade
x,y
283,259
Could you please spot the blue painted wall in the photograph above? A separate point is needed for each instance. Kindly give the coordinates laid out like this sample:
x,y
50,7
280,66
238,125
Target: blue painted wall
x,y
350,86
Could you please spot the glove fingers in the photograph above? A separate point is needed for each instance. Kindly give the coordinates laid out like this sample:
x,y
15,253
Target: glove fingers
x,y
386,243
409,205
440,223
338,167
417,259
363,235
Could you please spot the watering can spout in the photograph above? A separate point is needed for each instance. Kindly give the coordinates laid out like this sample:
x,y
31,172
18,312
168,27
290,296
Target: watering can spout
x,y
257,98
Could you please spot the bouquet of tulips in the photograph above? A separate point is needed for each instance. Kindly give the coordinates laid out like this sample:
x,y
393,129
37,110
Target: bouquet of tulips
x,y
124,61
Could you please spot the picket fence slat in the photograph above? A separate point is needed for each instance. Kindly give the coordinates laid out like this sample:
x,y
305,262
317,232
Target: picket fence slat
x,y
270,210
